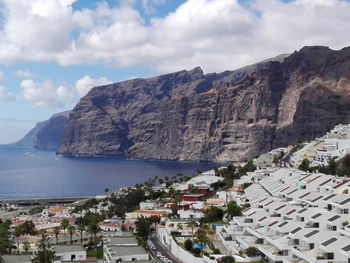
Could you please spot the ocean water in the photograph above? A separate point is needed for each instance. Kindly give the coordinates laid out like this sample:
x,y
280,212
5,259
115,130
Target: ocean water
x,y
30,173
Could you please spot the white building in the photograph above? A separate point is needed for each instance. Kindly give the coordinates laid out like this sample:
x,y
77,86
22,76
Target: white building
x,y
69,253
124,248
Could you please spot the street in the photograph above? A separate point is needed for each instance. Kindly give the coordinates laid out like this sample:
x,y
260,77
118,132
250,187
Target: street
x,y
162,249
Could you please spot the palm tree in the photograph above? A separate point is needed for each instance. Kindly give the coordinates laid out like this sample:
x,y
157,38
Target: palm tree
x,y
26,246
93,229
81,229
56,232
17,233
71,230
64,225
192,224
202,239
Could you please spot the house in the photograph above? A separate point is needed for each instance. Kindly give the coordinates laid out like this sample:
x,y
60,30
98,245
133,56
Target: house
x,y
190,214
16,258
133,216
123,248
148,205
193,197
69,253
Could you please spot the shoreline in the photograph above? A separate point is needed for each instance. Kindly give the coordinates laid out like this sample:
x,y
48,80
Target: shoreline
x,y
39,201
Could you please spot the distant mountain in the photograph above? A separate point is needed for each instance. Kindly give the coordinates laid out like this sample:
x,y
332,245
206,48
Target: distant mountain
x,y
229,116
46,135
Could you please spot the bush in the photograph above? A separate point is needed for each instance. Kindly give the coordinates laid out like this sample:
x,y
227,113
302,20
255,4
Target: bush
x,y
216,251
252,252
227,259
196,251
188,244
305,165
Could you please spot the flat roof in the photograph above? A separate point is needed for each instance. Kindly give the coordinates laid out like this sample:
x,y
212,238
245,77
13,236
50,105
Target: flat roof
x,y
314,232
333,218
66,248
346,248
127,250
329,197
345,201
122,240
329,241
16,258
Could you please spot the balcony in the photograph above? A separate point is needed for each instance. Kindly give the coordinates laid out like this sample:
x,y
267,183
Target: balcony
x,y
300,252
271,252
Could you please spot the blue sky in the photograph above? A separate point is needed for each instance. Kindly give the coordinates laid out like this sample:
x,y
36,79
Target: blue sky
x,y
53,52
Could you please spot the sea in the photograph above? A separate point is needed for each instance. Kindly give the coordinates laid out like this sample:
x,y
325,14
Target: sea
x,y
30,173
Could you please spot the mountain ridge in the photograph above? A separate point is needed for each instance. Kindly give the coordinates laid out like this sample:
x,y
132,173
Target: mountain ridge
x,y
46,135
229,116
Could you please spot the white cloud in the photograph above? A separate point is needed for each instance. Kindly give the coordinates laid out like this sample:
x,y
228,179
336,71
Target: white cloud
x,y
2,75
214,34
24,74
149,6
45,94
6,96
84,84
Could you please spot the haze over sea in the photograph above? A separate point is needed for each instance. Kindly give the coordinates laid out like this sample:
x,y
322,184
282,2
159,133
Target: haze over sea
x,y
30,173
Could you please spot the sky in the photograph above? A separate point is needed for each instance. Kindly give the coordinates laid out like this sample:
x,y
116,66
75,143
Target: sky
x,y
53,52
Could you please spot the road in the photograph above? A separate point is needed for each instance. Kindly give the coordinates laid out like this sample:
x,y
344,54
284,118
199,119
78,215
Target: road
x,y
162,249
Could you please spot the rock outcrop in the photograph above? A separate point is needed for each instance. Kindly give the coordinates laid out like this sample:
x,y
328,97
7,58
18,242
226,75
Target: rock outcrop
x,y
46,135
230,116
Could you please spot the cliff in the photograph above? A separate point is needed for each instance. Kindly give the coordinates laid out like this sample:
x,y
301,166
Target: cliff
x,y
46,135
234,115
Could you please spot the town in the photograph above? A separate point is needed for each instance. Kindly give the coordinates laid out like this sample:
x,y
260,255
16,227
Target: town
x,y
292,207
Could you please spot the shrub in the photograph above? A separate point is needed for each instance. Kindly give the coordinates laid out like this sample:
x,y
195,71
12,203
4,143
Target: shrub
x,y
196,251
227,259
252,252
188,244
216,251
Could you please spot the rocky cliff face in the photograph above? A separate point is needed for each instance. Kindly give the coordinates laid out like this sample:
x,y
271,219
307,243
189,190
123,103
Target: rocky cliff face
x,y
46,135
234,115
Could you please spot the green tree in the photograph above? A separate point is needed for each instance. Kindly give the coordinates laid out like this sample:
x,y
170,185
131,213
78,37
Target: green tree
x,y
202,238
26,246
192,224
248,167
227,259
252,252
56,232
29,228
188,244
5,243
45,253
233,209
213,214
343,166
332,166
93,230
81,229
64,224
305,165
71,231
18,231
275,160
143,226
